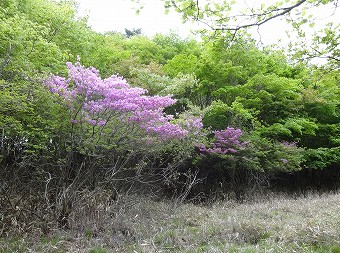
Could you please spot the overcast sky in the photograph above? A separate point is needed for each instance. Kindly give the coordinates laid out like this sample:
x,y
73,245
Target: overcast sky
x,y
116,15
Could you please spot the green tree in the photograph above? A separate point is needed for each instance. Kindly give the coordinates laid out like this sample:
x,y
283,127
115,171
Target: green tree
x,y
235,17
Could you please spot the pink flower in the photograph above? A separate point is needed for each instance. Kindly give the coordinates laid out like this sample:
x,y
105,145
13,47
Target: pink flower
x,y
92,99
226,141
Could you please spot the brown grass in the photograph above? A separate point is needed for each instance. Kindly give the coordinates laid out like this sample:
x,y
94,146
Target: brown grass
x,y
139,224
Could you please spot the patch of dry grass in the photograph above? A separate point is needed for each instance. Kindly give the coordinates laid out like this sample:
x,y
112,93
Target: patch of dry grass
x,y
139,224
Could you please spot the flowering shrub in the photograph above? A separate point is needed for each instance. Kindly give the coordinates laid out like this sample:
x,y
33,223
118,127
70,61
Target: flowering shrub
x,y
96,101
226,142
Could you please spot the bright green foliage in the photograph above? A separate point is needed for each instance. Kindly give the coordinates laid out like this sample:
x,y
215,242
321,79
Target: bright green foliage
x,y
144,49
104,52
327,135
272,156
273,97
24,47
269,97
42,35
301,126
171,45
322,158
36,38
250,166
181,63
30,120
219,116
159,49
321,97
290,129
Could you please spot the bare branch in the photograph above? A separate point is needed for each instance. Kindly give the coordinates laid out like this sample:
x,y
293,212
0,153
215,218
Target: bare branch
x,y
282,12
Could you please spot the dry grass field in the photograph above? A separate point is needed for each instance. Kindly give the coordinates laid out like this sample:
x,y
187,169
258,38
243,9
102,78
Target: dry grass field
x,y
138,224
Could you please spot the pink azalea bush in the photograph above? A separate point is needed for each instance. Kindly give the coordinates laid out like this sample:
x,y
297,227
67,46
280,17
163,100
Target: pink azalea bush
x,y
96,101
226,142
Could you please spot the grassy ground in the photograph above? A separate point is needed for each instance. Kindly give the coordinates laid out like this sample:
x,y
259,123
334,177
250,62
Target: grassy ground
x,y
136,224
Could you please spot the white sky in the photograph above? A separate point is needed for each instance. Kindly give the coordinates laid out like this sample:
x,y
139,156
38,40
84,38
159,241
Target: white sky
x,y
116,15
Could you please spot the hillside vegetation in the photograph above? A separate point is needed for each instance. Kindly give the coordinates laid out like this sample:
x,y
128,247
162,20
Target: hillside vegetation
x,y
174,118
